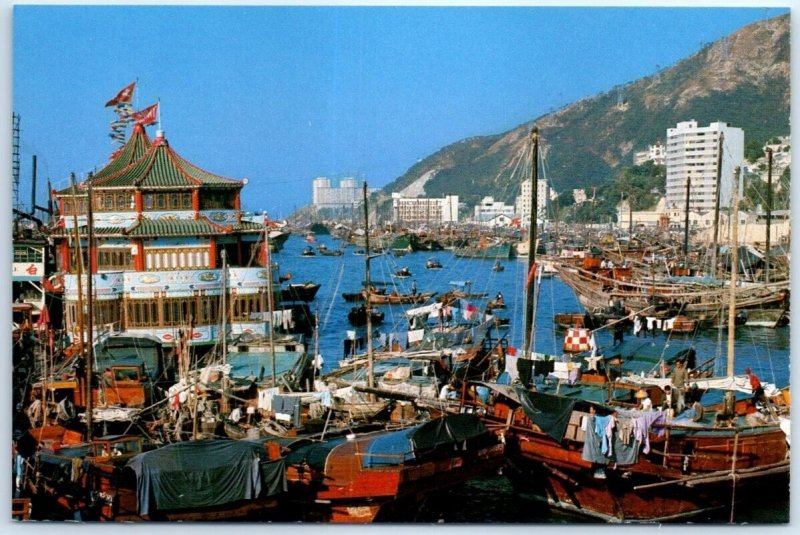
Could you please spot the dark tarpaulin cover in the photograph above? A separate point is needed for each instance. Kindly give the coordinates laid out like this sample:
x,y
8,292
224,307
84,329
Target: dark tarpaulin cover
x,y
451,429
394,447
314,455
551,413
202,473
397,447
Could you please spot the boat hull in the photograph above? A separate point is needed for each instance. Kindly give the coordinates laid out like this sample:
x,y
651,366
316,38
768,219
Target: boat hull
x,y
648,491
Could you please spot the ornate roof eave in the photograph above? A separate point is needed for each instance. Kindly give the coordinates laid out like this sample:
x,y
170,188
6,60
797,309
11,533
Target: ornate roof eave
x,y
83,232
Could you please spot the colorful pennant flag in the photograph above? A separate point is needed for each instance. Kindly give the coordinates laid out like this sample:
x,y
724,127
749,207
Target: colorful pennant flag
x,y
147,116
124,110
125,95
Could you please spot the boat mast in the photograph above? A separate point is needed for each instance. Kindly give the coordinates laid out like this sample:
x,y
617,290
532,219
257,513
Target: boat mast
x,y
90,299
530,288
769,212
367,283
734,270
78,261
686,224
224,306
270,304
716,208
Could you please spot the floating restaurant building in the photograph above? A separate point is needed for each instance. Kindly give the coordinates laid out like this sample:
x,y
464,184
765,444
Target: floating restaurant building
x,y
160,227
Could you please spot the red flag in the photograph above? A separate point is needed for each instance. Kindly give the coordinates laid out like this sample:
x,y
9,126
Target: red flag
x,y
147,116
44,319
125,95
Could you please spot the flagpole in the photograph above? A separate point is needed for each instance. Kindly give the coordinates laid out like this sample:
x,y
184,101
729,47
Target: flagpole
x,y
158,110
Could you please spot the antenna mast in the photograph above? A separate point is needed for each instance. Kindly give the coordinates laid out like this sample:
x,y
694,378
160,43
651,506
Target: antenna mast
x,y
15,158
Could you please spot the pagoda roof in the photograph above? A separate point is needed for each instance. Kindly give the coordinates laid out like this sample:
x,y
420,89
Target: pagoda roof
x,y
158,167
134,149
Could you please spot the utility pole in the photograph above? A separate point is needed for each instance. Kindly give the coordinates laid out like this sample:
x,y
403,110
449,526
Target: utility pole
x,y
716,207
686,224
769,212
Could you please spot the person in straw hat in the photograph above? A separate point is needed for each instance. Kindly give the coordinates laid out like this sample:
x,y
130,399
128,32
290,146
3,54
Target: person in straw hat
x,y
645,403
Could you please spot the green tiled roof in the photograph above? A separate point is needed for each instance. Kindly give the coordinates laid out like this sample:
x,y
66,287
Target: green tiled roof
x,y
134,149
174,227
162,168
248,226
99,232
158,228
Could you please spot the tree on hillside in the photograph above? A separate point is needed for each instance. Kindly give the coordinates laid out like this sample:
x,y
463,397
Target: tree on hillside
x,y
753,150
642,185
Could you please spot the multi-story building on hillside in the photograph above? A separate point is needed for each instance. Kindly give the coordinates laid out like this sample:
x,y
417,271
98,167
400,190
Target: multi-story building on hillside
x,y
424,211
523,202
692,153
654,153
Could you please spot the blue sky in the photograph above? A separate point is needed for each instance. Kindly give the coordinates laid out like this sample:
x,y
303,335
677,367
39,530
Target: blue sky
x,y
281,95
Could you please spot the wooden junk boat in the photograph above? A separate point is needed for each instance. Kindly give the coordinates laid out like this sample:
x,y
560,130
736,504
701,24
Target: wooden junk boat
x,y
673,468
305,291
358,316
377,476
703,299
394,298
115,478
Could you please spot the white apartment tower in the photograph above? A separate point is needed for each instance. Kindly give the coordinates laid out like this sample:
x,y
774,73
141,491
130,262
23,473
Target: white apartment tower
x,y
324,195
523,203
692,153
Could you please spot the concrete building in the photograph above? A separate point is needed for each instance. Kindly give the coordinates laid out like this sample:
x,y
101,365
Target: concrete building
x,y
781,159
522,205
495,221
488,208
654,153
424,211
324,195
691,154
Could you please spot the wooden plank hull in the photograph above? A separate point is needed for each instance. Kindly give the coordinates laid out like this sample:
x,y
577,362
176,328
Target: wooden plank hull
x,y
658,488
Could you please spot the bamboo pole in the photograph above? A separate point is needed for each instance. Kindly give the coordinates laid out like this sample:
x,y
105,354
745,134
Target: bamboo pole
x,y
734,271
530,314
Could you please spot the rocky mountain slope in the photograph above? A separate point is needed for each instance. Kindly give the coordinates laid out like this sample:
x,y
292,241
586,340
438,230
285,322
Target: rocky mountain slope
x,y
742,79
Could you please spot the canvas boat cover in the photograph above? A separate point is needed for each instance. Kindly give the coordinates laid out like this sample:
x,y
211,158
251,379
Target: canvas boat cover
x,y
643,355
204,473
551,413
397,447
313,455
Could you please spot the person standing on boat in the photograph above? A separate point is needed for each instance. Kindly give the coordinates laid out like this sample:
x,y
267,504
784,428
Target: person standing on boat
x,y
619,336
679,379
637,325
755,386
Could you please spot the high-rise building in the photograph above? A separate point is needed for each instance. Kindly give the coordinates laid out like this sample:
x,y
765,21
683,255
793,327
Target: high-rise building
x,y
523,203
344,196
692,154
